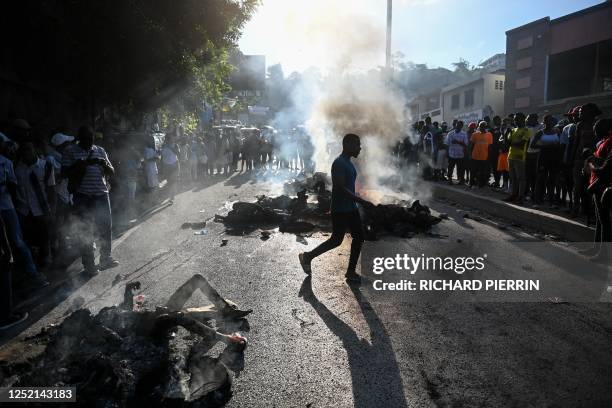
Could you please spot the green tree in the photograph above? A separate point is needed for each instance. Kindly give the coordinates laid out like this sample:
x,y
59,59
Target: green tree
x,y
137,54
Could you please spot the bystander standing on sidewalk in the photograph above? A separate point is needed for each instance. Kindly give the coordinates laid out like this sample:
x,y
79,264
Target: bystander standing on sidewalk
x,y
457,142
63,198
87,167
600,167
8,190
549,160
480,142
170,162
8,319
34,200
518,139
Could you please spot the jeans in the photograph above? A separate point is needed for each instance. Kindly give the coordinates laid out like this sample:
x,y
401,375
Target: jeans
x,y
15,236
517,177
340,223
93,213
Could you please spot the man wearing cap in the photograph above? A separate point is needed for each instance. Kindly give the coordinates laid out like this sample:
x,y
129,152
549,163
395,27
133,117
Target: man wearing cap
x,y
63,198
565,140
480,141
584,140
87,167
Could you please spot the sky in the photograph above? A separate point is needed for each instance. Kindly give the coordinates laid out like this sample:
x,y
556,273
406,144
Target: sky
x,y
324,33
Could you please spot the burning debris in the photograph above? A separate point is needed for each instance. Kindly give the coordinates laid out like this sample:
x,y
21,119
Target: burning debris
x,y
122,357
301,214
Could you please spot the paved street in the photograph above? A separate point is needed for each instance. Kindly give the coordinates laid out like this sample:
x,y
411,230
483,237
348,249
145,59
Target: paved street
x,y
320,343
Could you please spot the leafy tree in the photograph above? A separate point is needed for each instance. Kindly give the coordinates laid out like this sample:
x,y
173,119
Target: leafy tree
x,y
137,54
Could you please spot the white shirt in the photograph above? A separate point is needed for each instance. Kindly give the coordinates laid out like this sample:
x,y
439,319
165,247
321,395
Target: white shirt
x,y
27,198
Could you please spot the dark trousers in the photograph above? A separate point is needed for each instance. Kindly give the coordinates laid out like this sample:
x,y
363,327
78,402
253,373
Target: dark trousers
x,y
6,290
93,215
603,229
548,171
460,168
340,223
480,173
36,234
531,173
581,201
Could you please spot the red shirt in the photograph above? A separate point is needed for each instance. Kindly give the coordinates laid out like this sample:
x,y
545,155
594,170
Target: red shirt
x,y
602,152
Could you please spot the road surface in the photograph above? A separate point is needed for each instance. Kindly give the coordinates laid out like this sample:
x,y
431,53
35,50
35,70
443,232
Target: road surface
x,y
318,343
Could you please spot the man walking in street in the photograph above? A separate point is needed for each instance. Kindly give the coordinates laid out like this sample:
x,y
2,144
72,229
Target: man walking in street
x,y
87,167
344,212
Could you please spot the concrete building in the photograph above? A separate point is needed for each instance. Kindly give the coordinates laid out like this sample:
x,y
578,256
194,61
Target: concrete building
x,y
426,105
474,99
552,65
495,63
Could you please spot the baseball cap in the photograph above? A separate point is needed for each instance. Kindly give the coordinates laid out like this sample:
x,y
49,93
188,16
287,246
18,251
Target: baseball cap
x,y
573,112
59,139
472,125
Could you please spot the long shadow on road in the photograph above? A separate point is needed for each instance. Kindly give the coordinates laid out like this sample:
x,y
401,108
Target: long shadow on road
x,y
375,373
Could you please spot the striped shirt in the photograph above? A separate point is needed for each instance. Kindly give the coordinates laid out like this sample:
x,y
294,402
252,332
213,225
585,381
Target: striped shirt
x,y
94,181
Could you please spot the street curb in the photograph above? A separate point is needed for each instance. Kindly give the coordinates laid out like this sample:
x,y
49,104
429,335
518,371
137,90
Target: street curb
x,y
538,220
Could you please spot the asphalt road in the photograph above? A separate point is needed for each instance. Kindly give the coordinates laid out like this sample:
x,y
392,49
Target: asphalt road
x,y
320,343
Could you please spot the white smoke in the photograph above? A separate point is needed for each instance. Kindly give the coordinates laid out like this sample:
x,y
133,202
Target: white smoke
x,y
353,95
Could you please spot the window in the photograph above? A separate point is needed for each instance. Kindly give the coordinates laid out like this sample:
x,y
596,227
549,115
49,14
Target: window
x,y
523,83
522,102
455,102
501,85
469,98
524,63
524,43
496,84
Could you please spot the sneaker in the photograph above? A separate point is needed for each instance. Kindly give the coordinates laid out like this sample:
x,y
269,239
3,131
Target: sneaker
x,y
352,278
108,263
305,263
14,320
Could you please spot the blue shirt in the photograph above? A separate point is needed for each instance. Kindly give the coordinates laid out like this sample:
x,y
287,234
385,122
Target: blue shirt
x,y
342,167
7,175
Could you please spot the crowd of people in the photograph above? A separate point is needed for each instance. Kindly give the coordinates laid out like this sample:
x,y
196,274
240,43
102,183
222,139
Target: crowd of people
x,y
562,163
60,194
44,184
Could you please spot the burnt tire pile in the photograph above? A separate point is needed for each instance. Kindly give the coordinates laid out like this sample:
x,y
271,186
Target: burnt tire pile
x,y
301,215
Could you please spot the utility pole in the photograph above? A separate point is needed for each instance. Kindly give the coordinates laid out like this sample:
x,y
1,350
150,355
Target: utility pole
x,y
389,21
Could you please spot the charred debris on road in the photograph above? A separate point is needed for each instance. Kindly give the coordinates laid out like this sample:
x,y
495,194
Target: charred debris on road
x,y
128,356
296,212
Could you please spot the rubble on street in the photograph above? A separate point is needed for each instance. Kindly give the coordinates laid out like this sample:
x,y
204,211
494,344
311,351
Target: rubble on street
x,y
308,210
129,356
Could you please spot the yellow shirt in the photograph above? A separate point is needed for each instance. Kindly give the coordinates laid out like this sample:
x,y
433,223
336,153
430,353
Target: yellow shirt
x,y
518,134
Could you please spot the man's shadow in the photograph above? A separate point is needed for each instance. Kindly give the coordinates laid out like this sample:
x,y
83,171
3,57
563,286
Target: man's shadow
x,y
375,373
